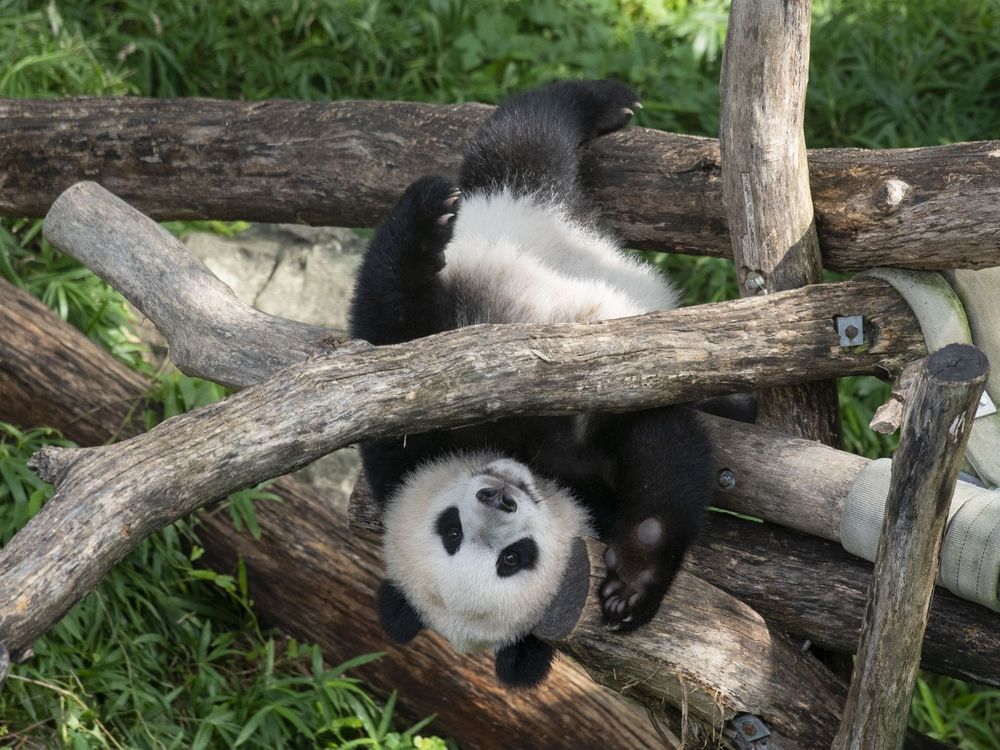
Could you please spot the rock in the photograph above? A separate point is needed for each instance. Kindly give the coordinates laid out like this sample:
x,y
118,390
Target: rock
x,y
298,272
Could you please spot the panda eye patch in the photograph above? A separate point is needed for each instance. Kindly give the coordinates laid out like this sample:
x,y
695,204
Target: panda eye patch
x,y
521,555
449,528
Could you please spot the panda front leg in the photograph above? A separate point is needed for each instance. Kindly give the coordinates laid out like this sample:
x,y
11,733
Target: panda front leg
x,y
399,295
665,483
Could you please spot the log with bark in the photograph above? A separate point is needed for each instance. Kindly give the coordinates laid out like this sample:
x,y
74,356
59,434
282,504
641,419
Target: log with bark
x,y
806,586
346,163
765,184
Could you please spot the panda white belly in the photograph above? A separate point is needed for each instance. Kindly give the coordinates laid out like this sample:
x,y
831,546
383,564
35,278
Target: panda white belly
x,y
525,260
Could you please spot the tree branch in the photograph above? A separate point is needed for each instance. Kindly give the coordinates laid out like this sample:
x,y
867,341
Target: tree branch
x,y
346,163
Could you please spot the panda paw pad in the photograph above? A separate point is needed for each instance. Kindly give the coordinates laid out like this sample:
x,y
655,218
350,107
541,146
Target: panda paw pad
x,y
432,203
634,586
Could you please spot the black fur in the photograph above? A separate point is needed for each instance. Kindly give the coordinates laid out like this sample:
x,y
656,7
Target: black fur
x,y
524,664
397,617
651,470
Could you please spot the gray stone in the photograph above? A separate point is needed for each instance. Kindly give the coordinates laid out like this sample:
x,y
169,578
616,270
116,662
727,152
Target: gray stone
x,y
297,272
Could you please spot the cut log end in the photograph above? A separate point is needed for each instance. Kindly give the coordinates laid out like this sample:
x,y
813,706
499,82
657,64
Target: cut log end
x,y
958,363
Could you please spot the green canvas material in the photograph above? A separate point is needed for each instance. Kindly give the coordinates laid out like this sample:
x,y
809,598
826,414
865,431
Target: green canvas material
x,y
971,316
970,554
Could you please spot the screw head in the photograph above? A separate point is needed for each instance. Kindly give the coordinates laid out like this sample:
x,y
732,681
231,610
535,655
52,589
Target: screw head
x,y
851,331
727,479
754,282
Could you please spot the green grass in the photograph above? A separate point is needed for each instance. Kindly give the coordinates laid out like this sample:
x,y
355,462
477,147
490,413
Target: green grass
x,y
884,73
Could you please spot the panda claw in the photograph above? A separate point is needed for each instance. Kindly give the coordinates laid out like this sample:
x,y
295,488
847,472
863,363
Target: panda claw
x,y
627,111
451,200
612,587
442,220
637,105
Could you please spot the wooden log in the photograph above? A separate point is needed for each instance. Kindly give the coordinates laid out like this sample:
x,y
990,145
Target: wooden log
x,y
816,591
198,315
765,184
935,430
32,345
346,163
233,343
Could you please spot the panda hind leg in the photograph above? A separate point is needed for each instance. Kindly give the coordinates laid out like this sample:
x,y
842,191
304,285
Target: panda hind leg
x,y
665,483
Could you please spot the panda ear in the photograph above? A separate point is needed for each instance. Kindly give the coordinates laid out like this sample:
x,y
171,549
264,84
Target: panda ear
x,y
398,617
524,664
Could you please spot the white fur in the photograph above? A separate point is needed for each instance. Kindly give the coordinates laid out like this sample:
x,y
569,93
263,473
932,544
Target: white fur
x,y
526,261
461,596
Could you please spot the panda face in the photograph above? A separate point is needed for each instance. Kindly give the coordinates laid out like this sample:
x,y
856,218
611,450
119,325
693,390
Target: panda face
x,y
478,545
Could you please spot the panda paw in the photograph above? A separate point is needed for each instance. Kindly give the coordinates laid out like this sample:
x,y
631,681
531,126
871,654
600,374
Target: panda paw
x,y
609,105
639,570
430,205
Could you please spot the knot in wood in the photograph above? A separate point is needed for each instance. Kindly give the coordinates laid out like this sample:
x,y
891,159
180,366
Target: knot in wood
x,y
891,195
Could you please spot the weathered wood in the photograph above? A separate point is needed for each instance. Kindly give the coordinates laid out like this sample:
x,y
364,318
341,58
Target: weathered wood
x,y
816,591
765,183
111,498
936,428
35,389
346,163
803,586
799,484
199,315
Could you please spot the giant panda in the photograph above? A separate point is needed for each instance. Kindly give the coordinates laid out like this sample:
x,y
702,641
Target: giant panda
x,y
479,521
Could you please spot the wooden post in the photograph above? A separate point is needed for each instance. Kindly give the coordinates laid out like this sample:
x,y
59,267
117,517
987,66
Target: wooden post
x,y
765,183
936,428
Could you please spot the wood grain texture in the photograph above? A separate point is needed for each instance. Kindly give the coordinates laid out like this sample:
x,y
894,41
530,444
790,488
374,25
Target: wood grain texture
x,y
36,388
765,183
816,591
346,163
199,316
311,577
935,431
799,484
109,498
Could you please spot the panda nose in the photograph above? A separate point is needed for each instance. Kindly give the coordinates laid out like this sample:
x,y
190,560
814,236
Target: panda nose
x,y
497,497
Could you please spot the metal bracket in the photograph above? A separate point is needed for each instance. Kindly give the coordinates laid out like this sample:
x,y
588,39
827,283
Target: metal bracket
x,y
851,329
750,728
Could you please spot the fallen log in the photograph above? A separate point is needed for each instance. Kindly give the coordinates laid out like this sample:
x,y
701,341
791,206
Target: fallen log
x,y
808,587
331,400
346,163
37,388
304,539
